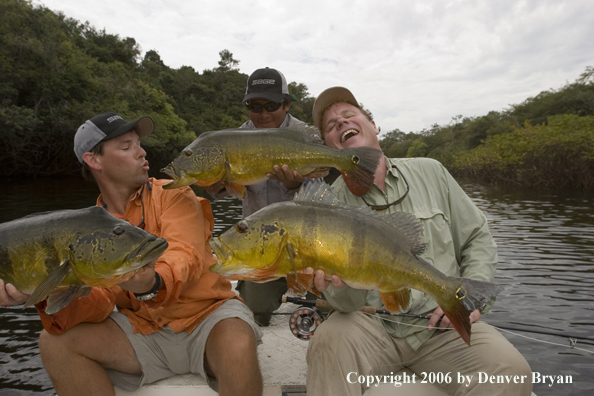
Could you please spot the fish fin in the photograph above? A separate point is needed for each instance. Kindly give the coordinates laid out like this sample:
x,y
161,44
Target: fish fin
x,y
315,290
47,285
291,254
318,191
266,272
360,174
236,190
84,291
317,173
299,283
210,181
269,271
396,301
60,298
174,184
470,295
411,227
228,174
299,133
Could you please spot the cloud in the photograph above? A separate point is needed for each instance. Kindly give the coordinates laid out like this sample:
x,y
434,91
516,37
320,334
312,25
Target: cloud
x,y
411,63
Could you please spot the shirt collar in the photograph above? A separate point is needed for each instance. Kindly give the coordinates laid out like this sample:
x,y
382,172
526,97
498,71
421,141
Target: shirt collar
x,y
390,168
136,195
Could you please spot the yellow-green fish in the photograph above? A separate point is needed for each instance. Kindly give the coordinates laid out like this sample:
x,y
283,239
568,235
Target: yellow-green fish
x,y
241,157
366,250
64,253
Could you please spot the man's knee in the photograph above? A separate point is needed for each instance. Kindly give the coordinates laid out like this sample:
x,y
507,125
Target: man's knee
x,y
337,332
236,332
49,343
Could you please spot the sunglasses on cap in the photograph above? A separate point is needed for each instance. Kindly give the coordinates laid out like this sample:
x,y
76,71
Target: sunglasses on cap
x,y
257,108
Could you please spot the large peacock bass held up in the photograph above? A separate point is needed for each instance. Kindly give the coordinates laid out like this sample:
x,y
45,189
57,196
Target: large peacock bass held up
x,y
59,255
366,250
241,157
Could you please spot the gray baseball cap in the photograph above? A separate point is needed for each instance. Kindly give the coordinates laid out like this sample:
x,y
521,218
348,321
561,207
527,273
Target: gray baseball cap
x,y
107,126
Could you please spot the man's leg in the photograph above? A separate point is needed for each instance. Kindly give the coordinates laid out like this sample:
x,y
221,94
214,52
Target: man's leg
x,y
345,347
76,359
471,368
232,359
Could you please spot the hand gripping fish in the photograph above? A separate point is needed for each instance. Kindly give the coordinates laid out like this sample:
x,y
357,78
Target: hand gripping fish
x,y
366,250
59,255
242,157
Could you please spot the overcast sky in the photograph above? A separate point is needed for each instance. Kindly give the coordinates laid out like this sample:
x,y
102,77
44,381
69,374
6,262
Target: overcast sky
x,y
412,63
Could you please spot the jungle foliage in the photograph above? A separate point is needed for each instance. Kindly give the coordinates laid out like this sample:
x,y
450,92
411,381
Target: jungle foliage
x,y
529,143
56,72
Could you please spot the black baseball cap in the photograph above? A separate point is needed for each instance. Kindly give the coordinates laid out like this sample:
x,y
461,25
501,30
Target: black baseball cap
x,y
107,126
267,83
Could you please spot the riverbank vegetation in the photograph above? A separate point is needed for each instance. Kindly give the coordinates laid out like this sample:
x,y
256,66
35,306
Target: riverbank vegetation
x,y
56,72
546,141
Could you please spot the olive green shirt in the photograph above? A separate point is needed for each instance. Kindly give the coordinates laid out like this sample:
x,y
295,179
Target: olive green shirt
x,y
456,231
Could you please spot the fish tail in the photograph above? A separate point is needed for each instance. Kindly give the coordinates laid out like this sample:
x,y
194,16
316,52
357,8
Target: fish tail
x,y
466,296
360,172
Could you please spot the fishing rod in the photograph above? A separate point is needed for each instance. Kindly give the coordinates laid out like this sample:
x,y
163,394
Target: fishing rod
x,y
303,321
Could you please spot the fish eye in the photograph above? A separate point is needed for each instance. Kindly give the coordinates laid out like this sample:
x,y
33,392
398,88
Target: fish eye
x,y
187,153
242,226
119,230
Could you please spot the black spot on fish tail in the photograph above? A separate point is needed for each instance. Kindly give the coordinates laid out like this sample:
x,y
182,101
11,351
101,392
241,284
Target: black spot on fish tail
x,y
281,232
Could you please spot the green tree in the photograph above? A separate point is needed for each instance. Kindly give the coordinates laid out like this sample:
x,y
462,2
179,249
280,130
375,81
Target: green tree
x,y
302,102
227,62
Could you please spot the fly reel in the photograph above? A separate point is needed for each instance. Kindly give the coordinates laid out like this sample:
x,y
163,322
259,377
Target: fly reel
x,y
304,322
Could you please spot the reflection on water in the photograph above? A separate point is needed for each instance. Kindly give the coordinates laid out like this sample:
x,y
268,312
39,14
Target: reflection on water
x,y
545,243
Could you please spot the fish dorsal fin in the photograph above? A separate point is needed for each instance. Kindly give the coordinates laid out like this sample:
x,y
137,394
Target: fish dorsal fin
x,y
316,191
303,132
47,285
319,192
408,225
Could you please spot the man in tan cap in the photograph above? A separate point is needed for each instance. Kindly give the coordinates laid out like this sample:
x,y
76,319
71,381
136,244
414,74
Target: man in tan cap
x,y
350,344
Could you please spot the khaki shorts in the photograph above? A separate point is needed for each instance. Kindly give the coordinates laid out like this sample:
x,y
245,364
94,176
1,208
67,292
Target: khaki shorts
x,y
166,353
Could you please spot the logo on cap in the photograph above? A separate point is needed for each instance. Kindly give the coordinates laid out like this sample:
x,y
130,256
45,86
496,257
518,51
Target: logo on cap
x,y
263,81
113,118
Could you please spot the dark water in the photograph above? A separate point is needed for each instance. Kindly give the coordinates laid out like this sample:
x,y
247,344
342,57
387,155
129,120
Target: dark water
x,y
545,241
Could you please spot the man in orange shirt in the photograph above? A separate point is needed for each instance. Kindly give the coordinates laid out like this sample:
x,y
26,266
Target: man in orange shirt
x,y
174,316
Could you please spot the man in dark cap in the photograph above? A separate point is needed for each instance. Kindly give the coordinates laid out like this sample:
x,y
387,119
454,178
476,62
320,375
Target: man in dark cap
x,y
268,101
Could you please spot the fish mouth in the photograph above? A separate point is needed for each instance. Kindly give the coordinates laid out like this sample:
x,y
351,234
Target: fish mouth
x,y
219,251
348,134
147,252
169,170
179,176
224,255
